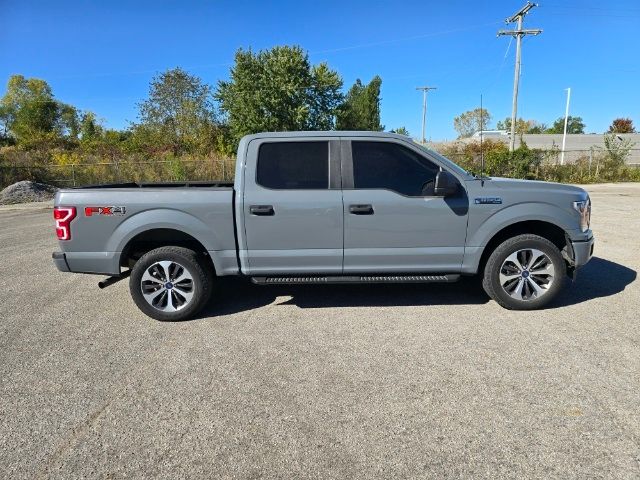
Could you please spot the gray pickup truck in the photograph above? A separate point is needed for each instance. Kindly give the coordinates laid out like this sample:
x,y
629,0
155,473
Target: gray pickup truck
x,y
327,207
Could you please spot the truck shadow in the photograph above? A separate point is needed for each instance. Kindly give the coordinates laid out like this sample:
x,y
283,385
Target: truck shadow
x,y
599,278
238,295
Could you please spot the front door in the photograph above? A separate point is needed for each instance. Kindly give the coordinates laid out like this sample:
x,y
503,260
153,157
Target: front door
x,y
393,221
293,206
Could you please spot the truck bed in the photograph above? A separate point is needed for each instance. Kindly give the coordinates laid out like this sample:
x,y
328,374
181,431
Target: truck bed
x,y
203,184
108,217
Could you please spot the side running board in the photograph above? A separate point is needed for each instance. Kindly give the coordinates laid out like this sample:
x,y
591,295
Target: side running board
x,y
357,279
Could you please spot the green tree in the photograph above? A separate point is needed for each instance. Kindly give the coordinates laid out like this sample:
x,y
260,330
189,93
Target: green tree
x,y
522,126
107,144
467,123
278,90
90,128
574,125
69,121
5,118
537,127
28,108
30,113
179,113
401,131
324,97
622,125
361,108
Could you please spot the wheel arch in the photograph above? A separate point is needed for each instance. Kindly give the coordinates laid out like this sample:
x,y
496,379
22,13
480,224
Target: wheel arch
x,y
552,232
153,238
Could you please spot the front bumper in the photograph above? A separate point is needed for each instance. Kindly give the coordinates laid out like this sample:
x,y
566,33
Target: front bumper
x,y
582,251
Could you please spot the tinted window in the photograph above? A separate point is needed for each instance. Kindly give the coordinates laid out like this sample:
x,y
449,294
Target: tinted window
x,y
394,167
293,165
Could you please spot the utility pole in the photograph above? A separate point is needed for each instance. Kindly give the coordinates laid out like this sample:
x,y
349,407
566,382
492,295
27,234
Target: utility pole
x,y
424,107
566,118
519,32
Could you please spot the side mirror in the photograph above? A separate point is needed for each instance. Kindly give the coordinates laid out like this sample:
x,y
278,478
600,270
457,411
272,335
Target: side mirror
x,y
446,184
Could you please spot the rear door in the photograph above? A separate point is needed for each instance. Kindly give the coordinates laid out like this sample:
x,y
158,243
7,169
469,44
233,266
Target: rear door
x,y
293,206
393,220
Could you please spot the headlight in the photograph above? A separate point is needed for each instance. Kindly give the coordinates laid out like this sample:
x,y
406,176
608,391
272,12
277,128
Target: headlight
x,y
584,209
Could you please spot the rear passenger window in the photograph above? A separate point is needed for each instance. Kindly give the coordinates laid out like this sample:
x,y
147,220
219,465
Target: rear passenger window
x,y
386,165
293,165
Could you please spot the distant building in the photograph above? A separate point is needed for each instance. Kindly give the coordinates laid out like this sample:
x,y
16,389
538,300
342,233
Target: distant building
x,y
491,134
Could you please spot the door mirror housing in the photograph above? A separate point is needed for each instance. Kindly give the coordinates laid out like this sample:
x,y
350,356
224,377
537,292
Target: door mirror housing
x,y
446,184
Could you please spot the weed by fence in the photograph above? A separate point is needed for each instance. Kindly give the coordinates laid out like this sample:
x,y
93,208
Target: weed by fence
x,y
77,174
581,166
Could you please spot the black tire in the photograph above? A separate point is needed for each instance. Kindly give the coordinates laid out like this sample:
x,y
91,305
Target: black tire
x,y
197,289
498,263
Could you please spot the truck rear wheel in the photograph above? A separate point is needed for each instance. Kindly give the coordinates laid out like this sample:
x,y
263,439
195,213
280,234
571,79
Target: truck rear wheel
x,y
170,283
525,272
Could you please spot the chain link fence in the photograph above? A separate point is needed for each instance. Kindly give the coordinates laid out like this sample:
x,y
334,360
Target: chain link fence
x,y
556,157
592,156
574,166
78,174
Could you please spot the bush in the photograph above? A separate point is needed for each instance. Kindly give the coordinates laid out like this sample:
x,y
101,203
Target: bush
x,y
499,162
607,165
116,158
72,168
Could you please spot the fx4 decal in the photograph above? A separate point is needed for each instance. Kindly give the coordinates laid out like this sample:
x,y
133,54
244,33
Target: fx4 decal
x,y
91,211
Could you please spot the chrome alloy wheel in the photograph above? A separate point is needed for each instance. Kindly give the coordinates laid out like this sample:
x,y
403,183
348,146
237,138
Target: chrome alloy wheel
x,y
167,286
527,274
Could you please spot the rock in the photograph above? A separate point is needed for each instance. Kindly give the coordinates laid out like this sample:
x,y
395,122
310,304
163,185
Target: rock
x,y
27,191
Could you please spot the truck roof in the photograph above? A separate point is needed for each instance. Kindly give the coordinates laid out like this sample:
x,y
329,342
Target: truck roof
x,y
331,133
244,141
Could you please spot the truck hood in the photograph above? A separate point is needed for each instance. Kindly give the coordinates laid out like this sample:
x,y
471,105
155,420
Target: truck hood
x,y
508,184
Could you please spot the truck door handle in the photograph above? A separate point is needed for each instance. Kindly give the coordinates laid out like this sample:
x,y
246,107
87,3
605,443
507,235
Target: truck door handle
x,y
262,210
361,209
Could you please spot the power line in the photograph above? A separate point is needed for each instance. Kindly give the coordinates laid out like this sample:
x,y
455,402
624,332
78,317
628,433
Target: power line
x,y
402,39
315,52
518,33
590,11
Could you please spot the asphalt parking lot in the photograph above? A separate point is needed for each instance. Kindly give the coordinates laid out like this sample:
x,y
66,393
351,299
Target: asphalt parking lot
x,y
420,381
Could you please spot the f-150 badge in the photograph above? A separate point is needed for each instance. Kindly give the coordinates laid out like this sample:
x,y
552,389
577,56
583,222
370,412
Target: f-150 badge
x,y
91,211
488,200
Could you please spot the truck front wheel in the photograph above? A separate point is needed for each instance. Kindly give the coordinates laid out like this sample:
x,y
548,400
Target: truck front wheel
x,y
525,272
170,283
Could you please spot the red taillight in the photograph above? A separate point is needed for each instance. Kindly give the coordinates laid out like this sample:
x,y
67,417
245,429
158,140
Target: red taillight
x,y
63,217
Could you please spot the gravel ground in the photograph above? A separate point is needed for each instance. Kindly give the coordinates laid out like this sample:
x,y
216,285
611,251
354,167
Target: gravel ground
x,y
321,381
26,191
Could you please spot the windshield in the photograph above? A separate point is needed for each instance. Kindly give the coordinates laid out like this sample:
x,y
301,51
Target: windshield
x,y
452,166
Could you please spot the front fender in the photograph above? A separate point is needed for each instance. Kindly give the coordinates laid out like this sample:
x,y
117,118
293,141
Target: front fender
x,y
483,227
